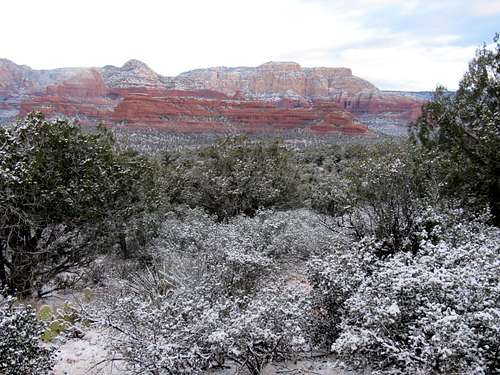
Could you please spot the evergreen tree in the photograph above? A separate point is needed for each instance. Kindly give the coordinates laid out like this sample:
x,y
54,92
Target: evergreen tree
x,y
465,128
61,191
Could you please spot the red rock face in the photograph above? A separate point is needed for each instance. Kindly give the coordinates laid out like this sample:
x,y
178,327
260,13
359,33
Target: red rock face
x,y
280,79
272,97
83,95
289,80
190,111
207,111
86,84
378,103
55,106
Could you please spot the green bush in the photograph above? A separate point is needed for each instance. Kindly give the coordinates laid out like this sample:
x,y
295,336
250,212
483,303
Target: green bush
x,y
62,191
21,350
462,131
235,176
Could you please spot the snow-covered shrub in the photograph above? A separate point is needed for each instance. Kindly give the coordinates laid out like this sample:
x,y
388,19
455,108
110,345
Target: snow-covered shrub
x,y
432,312
270,328
95,273
166,335
331,195
295,235
277,234
452,225
195,248
237,253
226,299
189,331
378,193
21,350
384,191
334,279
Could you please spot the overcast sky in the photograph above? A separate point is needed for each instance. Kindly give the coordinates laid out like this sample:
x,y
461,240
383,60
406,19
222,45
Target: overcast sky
x,y
407,44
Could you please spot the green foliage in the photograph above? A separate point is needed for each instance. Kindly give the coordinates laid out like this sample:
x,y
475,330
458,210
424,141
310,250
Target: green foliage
x,y
61,190
52,172
137,197
54,329
235,176
384,190
45,313
21,351
465,128
58,322
377,192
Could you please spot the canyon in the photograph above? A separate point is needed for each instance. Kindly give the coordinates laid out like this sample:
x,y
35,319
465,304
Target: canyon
x,y
271,98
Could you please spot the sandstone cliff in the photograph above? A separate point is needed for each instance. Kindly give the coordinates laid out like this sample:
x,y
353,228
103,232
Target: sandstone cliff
x,y
289,80
270,97
282,79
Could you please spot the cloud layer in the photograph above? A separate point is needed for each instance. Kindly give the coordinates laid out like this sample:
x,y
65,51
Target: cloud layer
x,y
411,45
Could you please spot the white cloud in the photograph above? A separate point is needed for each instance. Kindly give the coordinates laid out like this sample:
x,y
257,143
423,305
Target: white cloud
x,y
410,67
486,7
177,35
170,36
397,61
405,5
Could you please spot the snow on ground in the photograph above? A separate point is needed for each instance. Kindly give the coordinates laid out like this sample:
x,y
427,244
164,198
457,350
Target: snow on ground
x,y
85,356
312,367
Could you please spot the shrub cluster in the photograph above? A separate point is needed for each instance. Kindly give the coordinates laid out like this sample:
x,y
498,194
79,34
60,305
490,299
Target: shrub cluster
x,y
223,301
433,311
235,176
